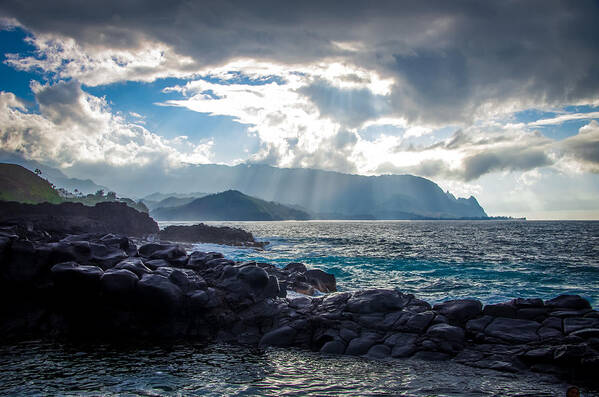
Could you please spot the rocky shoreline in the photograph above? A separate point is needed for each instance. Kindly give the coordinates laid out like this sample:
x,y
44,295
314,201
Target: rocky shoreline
x,y
105,286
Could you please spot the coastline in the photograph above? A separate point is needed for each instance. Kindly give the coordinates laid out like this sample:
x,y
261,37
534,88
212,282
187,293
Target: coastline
x,y
161,291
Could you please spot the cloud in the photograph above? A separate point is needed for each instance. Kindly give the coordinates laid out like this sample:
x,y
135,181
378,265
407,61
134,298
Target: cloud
x,y
75,127
447,62
584,147
564,118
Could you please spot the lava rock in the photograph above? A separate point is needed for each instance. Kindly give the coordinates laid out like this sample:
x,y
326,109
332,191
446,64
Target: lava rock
x,y
513,330
459,311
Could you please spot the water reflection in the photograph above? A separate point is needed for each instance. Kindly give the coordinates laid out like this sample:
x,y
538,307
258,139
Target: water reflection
x,y
49,368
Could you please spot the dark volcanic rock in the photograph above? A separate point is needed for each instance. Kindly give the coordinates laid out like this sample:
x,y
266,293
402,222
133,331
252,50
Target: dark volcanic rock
x,y
159,294
513,330
202,233
52,287
460,310
72,218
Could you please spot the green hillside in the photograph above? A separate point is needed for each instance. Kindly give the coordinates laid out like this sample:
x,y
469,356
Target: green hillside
x,y
231,205
19,184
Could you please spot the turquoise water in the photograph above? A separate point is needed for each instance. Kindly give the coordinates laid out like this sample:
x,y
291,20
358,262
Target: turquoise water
x,y
437,260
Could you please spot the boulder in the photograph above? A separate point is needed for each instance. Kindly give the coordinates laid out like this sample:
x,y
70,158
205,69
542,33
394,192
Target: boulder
x,y
118,282
156,263
198,259
159,294
574,324
568,302
379,352
253,276
106,256
133,264
280,337
418,322
513,330
446,332
333,347
376,301
296,267
71,275
324,282
506,309
460,310
359,346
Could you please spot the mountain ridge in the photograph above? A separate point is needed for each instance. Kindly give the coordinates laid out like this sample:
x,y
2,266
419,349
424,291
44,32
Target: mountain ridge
x,y
230,205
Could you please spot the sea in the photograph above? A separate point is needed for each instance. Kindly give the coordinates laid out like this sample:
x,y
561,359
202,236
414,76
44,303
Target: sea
x,y
492,261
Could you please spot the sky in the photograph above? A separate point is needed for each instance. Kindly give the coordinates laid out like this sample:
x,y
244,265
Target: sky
x,y
496,99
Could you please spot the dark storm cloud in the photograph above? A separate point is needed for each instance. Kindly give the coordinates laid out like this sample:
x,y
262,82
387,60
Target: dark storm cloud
x,y
350,107
447,58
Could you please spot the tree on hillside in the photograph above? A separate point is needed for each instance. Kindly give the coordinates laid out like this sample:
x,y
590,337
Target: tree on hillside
x,y
38,171
111,196
100,193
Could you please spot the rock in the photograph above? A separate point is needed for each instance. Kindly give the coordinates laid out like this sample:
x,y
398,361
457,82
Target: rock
x,y
379,351
156,263
296,267
71,275
546,333
527,303
401,339
24,265
553,322
347,334
187,280
431,356
460,310
586,333
498,365
253,276
532,313
280,337
419,322
134,265
104,256
118,282
568,302
570,353
446,332
324,282
359,346
198,259
574,324
478,324
158,293
333,347
539,354
376,301
210,234
569,313
401,351
507,310
513,330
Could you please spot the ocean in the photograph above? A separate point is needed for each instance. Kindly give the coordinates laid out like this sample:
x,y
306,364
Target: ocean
x,y
436,260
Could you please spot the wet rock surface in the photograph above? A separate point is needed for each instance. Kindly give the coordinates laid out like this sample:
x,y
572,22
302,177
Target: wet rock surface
x,y
104,285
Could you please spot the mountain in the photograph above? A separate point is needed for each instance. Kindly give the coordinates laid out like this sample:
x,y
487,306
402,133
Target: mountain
x,y
157,196
332,195
53,175
175,200
22,185
231,205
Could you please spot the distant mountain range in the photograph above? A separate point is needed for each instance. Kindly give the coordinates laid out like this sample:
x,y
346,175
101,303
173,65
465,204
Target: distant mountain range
x,y
231,205
332,195
321,194
53,175
170,200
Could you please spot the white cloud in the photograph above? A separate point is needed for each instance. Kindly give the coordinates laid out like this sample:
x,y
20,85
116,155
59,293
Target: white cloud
x,y
563,118
76,127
